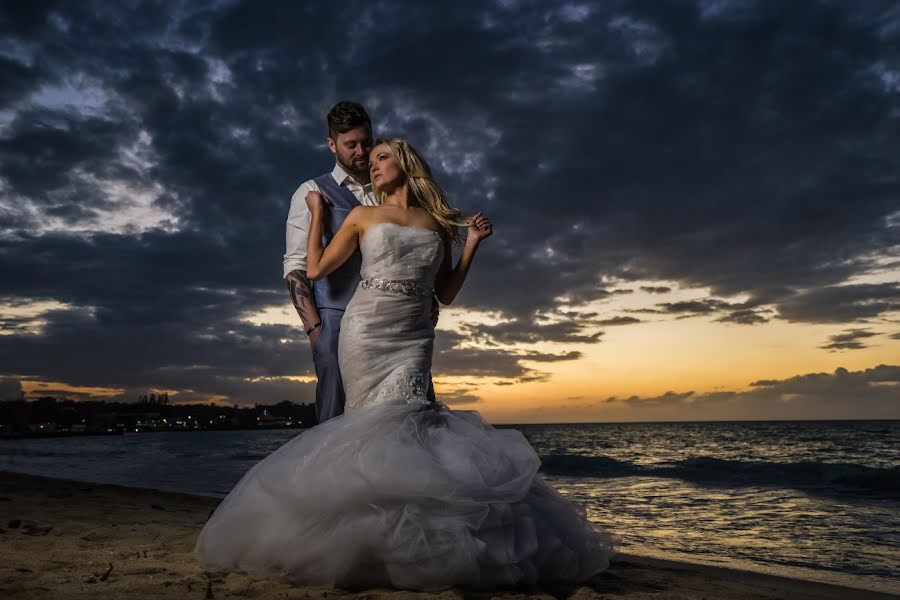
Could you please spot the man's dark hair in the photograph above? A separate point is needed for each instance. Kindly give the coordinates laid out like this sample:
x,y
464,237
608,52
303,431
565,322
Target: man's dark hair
x,y
344,116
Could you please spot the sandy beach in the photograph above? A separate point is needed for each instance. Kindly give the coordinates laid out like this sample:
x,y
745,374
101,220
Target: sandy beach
x,y
65,539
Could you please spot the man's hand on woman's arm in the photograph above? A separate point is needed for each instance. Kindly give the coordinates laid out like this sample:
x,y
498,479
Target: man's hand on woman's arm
x,y
321,261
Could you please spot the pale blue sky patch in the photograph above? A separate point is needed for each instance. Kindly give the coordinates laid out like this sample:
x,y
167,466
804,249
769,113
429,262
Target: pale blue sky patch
x,y
77,94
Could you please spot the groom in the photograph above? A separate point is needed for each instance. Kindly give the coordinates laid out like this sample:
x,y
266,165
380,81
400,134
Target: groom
x,y
321,304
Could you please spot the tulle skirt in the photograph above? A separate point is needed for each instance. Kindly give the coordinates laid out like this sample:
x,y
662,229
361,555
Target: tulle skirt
x,y
407,496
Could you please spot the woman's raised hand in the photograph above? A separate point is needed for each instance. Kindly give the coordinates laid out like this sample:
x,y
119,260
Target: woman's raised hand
x,y
479,228
316,202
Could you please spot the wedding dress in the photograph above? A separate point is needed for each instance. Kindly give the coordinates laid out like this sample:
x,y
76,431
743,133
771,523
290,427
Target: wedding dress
x,y
399,491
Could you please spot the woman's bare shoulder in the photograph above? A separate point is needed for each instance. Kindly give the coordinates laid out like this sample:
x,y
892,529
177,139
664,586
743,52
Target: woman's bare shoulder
x,y
362,214
371,215
367,216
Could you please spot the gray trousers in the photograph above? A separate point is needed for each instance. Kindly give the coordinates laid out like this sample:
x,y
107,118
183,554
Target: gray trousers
x,y
330,395
329,387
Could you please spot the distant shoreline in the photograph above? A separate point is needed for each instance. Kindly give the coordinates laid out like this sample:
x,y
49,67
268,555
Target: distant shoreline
x,y
30,435
27,435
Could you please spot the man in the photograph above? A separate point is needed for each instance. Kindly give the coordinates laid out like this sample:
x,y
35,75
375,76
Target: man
x,y
321,304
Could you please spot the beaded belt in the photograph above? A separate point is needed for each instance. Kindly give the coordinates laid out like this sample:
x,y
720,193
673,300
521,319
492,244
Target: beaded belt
x,y
405,287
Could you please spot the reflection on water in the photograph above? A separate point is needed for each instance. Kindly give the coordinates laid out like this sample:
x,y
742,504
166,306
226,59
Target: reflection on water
x,y
781,531
818,500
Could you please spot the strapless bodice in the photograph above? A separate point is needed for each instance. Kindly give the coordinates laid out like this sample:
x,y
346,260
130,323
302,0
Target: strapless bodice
x,y
395,252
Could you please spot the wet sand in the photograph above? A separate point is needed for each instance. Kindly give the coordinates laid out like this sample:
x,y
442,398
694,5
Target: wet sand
x,y
64,539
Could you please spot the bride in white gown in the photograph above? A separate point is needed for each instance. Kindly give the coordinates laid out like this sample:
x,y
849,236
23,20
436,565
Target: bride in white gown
x,y
399,491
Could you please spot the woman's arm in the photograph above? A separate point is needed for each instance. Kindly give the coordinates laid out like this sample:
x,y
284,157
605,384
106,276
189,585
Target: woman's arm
x,y
450,281
321,261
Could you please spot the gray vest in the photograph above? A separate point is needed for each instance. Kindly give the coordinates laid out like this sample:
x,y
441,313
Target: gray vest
x,y
336,290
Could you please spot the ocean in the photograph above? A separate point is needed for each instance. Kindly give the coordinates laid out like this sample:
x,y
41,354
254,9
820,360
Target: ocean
x,y
816,500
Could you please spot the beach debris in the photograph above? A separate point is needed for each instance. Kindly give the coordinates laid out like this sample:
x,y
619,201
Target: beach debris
x,y
33,528
108,571
29,527
157,507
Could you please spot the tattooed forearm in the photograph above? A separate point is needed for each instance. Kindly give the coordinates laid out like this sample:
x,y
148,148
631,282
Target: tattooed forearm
x,y
300,289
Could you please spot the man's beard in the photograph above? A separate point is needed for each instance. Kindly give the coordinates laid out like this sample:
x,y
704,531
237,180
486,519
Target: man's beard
x,y
360,173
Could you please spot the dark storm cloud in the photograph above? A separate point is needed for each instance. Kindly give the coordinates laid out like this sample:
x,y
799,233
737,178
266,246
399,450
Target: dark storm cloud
x,y
873,393
618,321
693,307
842,304
744,151
10,389
515,332
455,356
746,316
44,150
841,379
547,357
96,349
849,340
738,312
459,397
18,80
654,401
882,374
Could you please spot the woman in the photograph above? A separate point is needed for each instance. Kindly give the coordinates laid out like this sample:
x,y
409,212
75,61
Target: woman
x,y
400,491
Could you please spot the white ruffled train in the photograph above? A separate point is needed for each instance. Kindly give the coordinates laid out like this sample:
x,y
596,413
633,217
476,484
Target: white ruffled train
x,y
403,496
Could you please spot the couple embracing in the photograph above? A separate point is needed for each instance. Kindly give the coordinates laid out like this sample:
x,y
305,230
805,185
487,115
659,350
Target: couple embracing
x,y
392,488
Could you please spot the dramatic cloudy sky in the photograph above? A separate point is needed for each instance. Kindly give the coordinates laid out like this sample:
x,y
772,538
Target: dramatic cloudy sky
x,y
697,204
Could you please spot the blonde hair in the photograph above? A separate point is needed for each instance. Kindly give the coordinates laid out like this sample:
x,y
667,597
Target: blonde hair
x,y
424,188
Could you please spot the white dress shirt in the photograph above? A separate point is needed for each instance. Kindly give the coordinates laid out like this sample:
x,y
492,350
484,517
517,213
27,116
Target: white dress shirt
x,y
298,216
